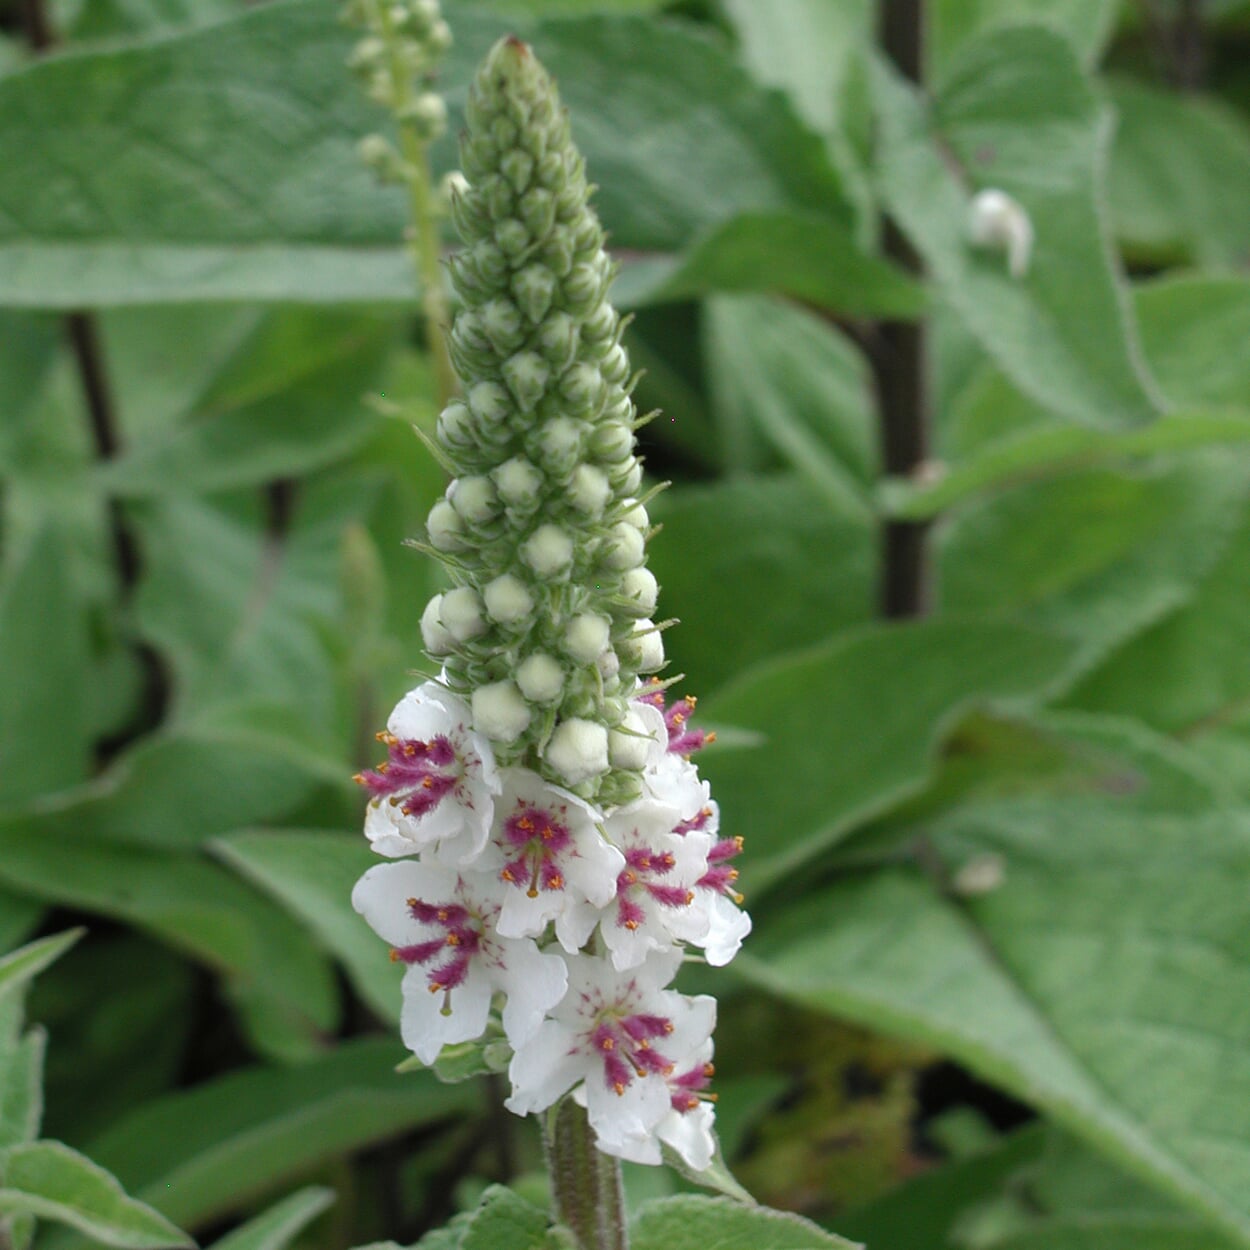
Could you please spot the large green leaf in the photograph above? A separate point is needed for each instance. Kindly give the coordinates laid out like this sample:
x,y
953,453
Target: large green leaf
x,y
1180,174
312,875
780,374
52,1182
204,1152
283,398
20,966
21,1088
1144,543
45,729
1086,24
274,1229
1016,113
133,189
1111,950
195,906
690,1222
752,567
881,698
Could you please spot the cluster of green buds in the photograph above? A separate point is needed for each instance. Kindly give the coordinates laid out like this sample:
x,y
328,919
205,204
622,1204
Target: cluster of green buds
x,y
396,60
543,529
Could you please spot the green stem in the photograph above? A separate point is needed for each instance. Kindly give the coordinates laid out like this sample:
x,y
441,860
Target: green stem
x,y
424,242
585,1182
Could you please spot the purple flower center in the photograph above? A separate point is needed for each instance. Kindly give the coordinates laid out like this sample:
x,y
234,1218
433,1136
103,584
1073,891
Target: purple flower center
x,y
644,873
538,837
682,739
460,940
686,1087
415,776
720,874
624,1045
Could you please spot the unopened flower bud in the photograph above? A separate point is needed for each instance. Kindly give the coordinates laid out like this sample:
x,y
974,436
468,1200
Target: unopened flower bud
x,y
507,600
623,549
586,637
433,633
475,499
461,614
578,751
526,374
630,744
445,528
490,403
640,587
590,490
500,712
540,678
518,482
548,551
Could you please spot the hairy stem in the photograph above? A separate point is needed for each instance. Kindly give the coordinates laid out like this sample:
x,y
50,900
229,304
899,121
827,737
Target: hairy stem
x,y
424,241
585,1182
901,368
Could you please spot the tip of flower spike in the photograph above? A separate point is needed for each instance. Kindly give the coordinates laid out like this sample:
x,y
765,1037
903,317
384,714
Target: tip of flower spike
x,y
517,44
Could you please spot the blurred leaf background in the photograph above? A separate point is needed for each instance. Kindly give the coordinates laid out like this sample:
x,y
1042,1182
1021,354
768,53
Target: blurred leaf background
x,y
998,859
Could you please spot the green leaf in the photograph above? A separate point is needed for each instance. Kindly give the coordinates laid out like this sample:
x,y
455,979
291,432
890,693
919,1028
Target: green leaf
x,y
21,1089
286,400
195,907
777,372
275,1228
772,251
505,1221
45,732
52,1182
251,187
1146,541
1180,166
1113,1233
885,695
312,875
202,1153
18,968
1049,450
1112,947
690,1222
1087,24
768,542
1016,113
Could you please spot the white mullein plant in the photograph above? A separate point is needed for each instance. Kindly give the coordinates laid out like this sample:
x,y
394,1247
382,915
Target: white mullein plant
x,y
556,852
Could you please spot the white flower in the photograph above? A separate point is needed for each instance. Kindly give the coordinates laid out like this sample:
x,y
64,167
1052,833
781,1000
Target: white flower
x,y
997,220
437,784
656,903
622,1036
552,861
443,925
675,781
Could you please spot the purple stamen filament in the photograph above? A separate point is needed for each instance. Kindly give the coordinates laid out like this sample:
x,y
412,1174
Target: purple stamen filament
x,y
642,866
415,775
624,1043
539,838
462,936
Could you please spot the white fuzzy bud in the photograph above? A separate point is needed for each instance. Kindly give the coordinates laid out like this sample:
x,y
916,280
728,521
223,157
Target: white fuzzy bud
x,y
623,549
578,750
613,441
433,633
548,551
540,678
630,478
629,746
587,636
462,615
518,482
561,444
445,528
608,664
474,498
489,402
996,220
455,425
637,517
641,589
643,648
589,490
508,601
500,712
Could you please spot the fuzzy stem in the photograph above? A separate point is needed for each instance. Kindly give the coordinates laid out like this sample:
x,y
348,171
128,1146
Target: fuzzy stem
x,y
424,242
585,1183
902,368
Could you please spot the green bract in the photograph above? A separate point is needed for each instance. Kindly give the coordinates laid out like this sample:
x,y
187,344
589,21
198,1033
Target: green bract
x,y
548,627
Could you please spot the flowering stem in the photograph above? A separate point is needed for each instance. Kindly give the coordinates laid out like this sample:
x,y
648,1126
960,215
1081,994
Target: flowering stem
x,y
585,1182
425,238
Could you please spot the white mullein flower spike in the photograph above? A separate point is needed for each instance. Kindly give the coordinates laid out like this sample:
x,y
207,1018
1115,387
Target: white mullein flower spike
x,y
556,851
